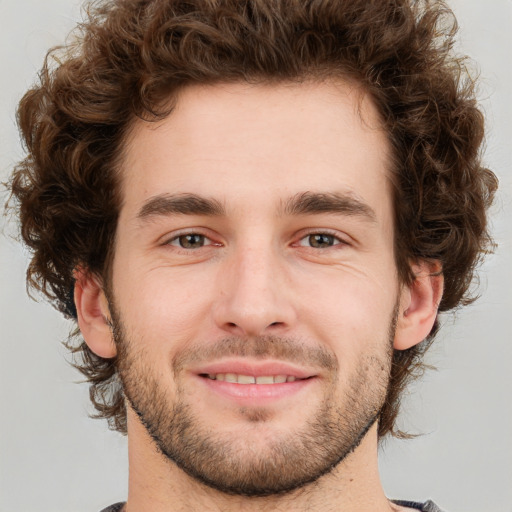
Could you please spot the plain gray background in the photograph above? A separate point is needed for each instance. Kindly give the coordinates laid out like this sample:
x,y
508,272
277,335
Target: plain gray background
x,y
53,458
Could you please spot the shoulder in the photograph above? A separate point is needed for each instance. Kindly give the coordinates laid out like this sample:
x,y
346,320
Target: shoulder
x,y
117,507
428,506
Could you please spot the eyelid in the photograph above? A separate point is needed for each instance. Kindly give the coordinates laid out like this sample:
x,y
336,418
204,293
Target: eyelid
x,y
208,241
168,238
341,238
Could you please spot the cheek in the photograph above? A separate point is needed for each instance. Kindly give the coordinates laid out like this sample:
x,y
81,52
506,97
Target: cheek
x,y
162,304
357,288
350,308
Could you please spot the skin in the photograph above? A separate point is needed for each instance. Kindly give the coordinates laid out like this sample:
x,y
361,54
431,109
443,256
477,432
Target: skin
x,y
252,149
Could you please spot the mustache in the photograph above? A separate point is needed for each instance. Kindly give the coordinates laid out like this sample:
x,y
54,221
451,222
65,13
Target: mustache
x,y
262,347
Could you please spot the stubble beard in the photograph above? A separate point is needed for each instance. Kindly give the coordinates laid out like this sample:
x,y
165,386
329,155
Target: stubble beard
x,y
284,461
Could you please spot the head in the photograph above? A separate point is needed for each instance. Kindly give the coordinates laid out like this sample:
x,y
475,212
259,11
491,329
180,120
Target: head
x,y
123,79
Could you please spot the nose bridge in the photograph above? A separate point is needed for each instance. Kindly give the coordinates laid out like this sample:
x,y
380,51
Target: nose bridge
x,y
255,268
253,298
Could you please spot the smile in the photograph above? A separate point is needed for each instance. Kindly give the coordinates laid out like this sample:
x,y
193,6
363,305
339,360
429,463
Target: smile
x,y
259,389
250,379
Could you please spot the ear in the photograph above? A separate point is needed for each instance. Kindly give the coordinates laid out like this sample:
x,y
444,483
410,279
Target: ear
x,y
93,314
419,303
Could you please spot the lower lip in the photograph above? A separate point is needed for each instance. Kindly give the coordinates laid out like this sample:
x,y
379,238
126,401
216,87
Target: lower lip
x,y
256,394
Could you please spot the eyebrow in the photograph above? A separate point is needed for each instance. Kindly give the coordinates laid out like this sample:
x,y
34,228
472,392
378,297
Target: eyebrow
x,y
311,203
180,204
305,203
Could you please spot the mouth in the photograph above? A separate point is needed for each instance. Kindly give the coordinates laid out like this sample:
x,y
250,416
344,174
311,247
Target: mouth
x,y
235,378
252,383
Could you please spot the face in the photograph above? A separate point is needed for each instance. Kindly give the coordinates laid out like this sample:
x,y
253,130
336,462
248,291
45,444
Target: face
x,y
254,291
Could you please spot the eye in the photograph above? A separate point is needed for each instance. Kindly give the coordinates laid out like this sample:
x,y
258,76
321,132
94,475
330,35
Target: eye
x,y
319,241
190,241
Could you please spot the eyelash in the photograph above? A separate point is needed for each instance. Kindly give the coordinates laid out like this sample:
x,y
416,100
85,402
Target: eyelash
x,y
178,238
332,238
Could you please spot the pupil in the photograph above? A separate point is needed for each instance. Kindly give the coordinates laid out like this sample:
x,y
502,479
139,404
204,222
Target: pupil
x,y
321,240
191,241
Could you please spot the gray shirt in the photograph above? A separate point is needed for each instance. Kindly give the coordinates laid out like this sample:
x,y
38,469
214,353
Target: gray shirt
x,y
428,506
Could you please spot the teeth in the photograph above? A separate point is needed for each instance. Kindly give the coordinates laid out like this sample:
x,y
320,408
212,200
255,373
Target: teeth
x,y
246,379
265,380
249,379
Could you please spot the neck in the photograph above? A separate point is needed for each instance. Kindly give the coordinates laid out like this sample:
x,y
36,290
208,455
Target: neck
x,y
157,484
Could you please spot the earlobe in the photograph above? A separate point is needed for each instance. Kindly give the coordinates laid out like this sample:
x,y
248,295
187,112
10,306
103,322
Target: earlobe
x,y
93,314
419,303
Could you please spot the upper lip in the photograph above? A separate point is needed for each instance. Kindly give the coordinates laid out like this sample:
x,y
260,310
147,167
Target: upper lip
x,y
254,368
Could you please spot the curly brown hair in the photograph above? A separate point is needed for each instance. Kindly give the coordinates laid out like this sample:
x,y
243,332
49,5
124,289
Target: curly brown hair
x,y
130,56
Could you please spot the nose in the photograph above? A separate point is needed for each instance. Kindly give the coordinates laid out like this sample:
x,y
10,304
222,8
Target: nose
x,y
254,295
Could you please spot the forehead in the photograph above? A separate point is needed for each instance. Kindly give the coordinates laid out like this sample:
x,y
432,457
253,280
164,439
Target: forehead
x,y
236,142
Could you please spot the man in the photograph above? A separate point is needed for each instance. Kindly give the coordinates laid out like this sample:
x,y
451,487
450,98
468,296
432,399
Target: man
x,y
254,211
